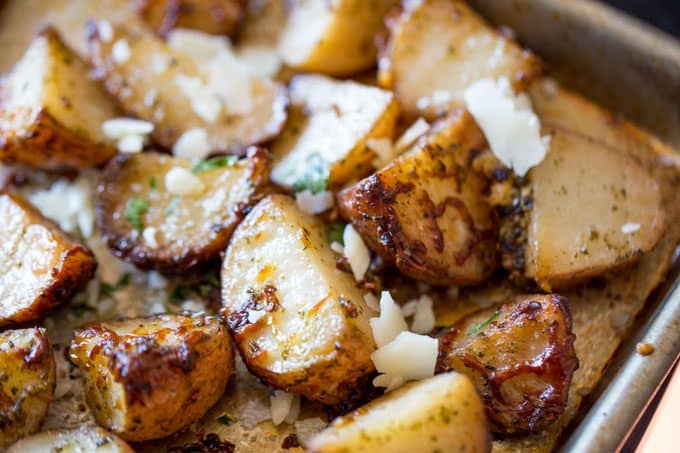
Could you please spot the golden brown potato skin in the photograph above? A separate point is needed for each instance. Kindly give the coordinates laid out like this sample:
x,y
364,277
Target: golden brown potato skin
x,y
211,16
149,377
27,380
189,234
85,438
40,266
520,357
426,212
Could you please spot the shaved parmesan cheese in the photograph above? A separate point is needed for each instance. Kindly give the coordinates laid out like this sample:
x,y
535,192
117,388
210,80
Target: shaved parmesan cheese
x,y
629,228
253,412
383,149
314,203
199,45
508,122
131,144
356,252
409,355
230,81
307,428
337,248
149,236
390,323
203,101
423,319
409,137
68,203
105,30
120,52
389,381
256,315
261,61
284,407
180,181
372,302
117,128
192,145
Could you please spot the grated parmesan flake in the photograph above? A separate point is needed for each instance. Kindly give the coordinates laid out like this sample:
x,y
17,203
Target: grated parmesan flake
x,y
389,323
314,203
629,228
192,145
409,356
117,128
180,181
285,407
120,52
131,144
356,252
409,137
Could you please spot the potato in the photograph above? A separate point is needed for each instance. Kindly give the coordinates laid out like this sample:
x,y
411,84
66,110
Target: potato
x,y
300,324
329,125
220,17
442,413
179,93
147,378
85,438
520,357
437,48
51,111
333,38
145,222
40,266
27,380
592,209
426,212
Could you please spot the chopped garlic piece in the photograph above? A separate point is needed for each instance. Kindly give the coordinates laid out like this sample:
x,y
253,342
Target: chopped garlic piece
x,y
356,252
390,323
508,122
131,144
628,228
409,137
192,145
117,128
284,407
120,52
409,355
314,203
180,181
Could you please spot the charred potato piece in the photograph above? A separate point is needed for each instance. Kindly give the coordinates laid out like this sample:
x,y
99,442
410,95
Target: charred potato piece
x,y
442,413
178,93
426,212
145,222
220,17
40,266
592,208
300,324
520,357
85,438
329,125
438,48
333,38
147,378
27,380
51,111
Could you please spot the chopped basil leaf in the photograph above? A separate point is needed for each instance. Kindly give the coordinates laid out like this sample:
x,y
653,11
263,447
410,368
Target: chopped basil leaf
x,y
225,419
171,206
213,163
108,289
479,326
134,210
315,177
336,232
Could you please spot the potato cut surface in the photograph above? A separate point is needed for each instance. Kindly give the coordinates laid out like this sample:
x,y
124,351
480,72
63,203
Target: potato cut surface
x,y
520,357
211,16
300,323
438,48
147,378
333,38
426,212
325,138
178,93
85,438
40,266
51,111
147,222
442,413
27,380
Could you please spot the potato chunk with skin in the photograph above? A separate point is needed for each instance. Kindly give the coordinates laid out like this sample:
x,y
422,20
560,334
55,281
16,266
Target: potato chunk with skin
x,y
40,266
147,378
593,208
520,357
27,380
144,221
330,123
51,111
171,89
438,48
85,438
220,17
333,38
442,413
300,324
426,212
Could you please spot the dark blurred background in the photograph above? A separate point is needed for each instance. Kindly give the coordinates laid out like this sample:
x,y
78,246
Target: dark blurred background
x,y
664,14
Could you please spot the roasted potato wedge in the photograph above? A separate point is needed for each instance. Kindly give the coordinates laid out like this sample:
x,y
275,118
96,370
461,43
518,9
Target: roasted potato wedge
x,y
300,324
179,93
426,212
40,266
51,111
441,413
329,125
147,223
438,48
520,357
27,380
86,438
147,378
592,208
333,38
220,17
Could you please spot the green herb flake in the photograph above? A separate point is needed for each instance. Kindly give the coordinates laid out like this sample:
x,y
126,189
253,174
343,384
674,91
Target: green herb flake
x,y
108,289
335,233
225,419
479,326
153,184
205,290
80,310
179,294
171,206
315,177
213,163
134,210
